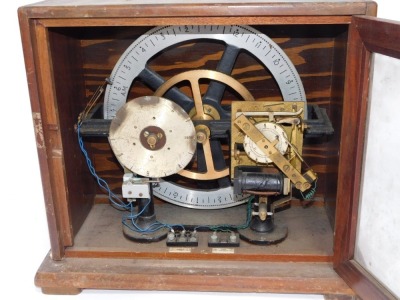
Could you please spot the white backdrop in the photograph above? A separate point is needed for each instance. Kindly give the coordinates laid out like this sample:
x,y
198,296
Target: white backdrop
x,y
378,236
23,227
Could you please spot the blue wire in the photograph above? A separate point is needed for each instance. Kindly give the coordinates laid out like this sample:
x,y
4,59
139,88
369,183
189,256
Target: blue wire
x,y
100,181
157,225
116,201
130,219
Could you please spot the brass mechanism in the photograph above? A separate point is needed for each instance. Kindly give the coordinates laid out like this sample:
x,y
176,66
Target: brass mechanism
x,y
277,142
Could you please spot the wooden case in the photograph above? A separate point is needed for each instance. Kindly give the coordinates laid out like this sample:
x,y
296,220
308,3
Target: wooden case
x,y
71,46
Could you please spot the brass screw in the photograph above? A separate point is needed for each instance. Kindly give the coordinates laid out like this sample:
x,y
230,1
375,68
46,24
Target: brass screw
x,y
201,136
152,141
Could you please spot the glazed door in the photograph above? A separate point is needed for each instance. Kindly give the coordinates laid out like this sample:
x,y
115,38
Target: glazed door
x,y
367,237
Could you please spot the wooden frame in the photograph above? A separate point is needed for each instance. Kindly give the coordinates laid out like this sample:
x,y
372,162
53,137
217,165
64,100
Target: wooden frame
x,y
367,35
158,273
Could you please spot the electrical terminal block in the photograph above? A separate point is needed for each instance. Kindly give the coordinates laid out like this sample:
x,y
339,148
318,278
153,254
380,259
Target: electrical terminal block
x,y
223,239
182,239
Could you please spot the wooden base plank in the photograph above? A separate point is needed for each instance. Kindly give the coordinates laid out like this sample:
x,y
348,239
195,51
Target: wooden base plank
x,y
309,240
189,275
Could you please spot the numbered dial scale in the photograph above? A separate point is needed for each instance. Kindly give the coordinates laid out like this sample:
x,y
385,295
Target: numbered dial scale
x,y
272,132
133,64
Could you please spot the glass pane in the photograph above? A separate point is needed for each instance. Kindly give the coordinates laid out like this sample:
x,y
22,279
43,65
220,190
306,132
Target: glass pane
x,y
378,232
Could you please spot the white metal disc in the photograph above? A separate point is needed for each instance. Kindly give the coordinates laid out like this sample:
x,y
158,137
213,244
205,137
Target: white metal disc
x,y
272,132
153,137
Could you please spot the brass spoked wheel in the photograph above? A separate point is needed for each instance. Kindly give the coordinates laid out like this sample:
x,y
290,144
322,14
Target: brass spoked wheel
x,y
205,112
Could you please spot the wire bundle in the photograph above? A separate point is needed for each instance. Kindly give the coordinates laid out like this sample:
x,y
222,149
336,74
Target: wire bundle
x,y
310,192
114,199
227,227
130,220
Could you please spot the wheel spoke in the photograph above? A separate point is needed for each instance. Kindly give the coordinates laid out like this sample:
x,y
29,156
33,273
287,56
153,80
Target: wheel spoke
x,y
198,102
154,81
216,89
219,161
201,161
211,172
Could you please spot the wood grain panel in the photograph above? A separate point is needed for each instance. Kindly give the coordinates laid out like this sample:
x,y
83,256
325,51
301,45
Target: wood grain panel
x,y
70,99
